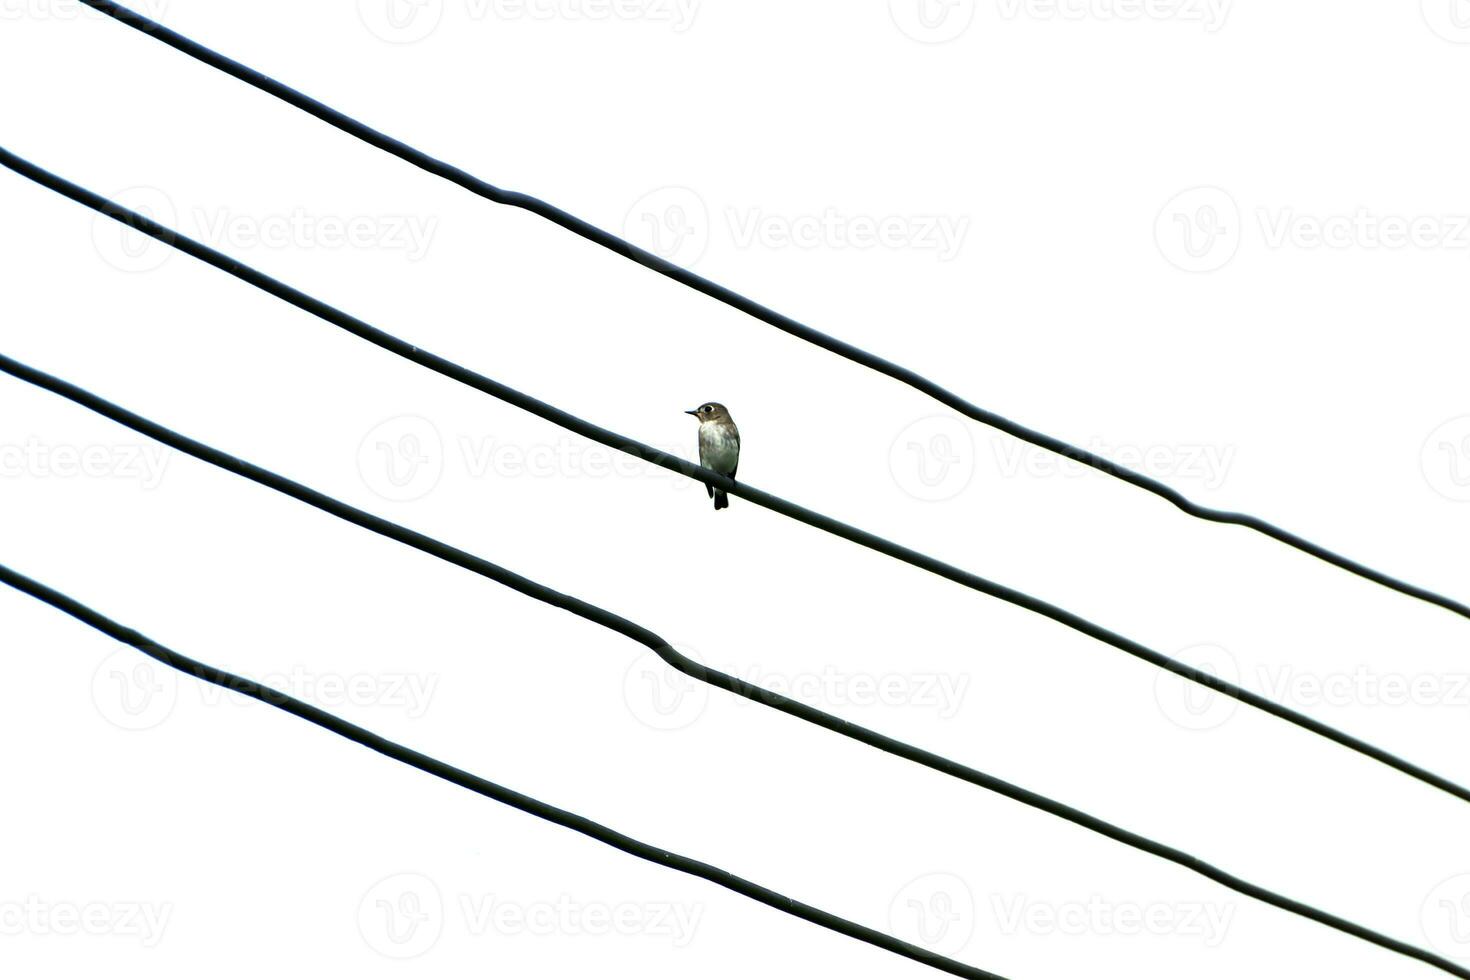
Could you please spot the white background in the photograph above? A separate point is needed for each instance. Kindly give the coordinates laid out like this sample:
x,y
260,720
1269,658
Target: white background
x,y
1228,238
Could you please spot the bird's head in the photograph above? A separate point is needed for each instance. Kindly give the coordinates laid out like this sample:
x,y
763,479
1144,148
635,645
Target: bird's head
x,y
710,412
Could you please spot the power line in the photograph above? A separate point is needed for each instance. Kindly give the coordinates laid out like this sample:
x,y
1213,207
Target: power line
x,y
566,420
691,668
526,804
733,299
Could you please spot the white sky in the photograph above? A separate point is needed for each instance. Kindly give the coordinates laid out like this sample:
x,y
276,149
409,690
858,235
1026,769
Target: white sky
x,y
1305,384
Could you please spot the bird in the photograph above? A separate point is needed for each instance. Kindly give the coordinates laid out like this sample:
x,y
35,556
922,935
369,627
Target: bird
x,y
719,445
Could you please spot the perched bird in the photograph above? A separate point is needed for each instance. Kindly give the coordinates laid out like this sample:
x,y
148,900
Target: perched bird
x,y
719,445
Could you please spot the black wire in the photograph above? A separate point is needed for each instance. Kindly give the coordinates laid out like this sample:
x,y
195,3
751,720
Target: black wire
x,y
434,767
731,298
683,664
566,420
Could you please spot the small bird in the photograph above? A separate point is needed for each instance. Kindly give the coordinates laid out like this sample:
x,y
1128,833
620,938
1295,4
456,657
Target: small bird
x,y
719,445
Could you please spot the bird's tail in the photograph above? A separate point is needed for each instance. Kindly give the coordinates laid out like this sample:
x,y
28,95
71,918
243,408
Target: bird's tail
x,y
721,500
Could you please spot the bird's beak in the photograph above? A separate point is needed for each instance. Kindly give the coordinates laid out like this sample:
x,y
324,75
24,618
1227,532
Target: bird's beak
x,y
693,411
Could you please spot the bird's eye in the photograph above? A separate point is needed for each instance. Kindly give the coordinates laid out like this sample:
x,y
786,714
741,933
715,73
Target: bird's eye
x,y
706,409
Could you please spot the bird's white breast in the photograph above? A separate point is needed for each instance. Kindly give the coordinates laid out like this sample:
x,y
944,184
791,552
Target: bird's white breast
x,y
719,449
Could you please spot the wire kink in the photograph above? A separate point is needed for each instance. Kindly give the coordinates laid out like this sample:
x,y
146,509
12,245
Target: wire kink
x,y
572,423
700,672
733,299
434,767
